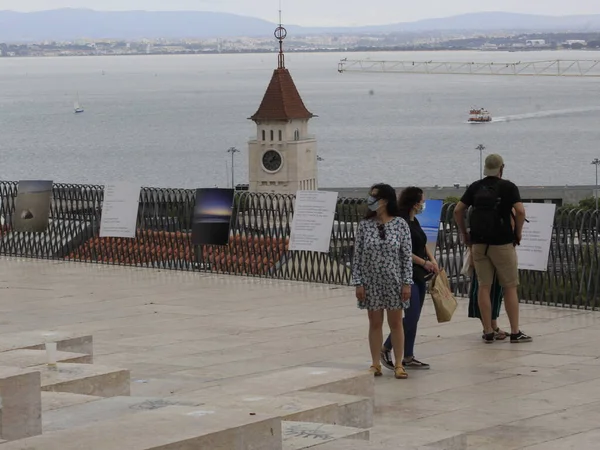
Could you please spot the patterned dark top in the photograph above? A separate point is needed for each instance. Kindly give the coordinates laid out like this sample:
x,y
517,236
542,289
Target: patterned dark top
x,y
382,266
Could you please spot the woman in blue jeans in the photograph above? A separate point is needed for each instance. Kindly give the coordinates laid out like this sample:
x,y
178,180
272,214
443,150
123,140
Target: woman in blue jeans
x,y
411,204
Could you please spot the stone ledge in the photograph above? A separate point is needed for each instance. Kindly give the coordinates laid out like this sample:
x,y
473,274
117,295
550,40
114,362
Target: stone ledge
x,y
86,379
104,409
302,435
288,408
28,358
352,410
169,428
58,400
313,379
35,340
352,444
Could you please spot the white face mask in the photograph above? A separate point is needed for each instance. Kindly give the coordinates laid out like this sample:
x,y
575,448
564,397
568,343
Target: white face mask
x,y
421,208
372,203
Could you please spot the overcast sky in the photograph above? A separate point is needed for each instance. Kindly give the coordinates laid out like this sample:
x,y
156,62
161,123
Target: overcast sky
x,y
325,12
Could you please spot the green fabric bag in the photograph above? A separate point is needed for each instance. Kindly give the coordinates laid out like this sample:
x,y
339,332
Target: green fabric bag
x,y
496,295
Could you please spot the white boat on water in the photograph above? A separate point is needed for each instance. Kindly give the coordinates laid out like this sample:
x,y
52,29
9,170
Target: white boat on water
x,y
479,115
77,106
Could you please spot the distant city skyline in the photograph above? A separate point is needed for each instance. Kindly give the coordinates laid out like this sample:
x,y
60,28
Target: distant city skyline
x,y
321,12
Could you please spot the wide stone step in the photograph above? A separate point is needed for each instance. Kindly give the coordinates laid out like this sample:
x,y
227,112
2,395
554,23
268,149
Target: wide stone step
x,y
299,408
35,340
314,379
289,407
317,379
28,358
102,410
301,435
353,411
86,379
58,400
454,443
169,428
352,444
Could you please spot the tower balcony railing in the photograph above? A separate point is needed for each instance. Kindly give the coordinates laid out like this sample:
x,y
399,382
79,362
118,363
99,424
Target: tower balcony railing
x,y
306,137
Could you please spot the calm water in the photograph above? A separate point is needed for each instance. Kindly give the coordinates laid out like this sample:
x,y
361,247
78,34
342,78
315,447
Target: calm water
x,y
168,120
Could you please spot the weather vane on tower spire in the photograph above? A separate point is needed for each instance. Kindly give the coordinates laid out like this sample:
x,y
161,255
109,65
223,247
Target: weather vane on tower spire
x,y
280,35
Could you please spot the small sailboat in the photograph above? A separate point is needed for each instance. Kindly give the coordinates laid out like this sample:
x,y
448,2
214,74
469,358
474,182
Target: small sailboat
x,y
77,106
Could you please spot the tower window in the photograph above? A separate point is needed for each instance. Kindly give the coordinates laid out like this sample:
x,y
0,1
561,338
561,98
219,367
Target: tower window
x,y
272,135
280,135
297,135
264,135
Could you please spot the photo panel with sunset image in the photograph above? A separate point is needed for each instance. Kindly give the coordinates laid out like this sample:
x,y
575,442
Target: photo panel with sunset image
x,y
212,216
430,222
32,207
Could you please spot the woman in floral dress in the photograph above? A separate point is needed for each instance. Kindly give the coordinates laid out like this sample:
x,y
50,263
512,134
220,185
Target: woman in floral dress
x,y
382,272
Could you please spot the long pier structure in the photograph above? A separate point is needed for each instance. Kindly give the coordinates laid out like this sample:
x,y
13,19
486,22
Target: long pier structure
x,y
551,68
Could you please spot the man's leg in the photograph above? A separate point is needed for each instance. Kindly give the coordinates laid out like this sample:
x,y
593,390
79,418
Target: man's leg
x,y
485,277
511,304
497,296
504,258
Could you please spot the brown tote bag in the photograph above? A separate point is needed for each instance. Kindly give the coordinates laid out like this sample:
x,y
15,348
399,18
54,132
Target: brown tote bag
x,y
444,302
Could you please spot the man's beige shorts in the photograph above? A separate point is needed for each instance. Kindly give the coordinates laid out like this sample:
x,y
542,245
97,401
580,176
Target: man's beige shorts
x,y
499,259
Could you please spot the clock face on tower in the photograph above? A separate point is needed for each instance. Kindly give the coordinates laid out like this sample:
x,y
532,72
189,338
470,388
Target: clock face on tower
x,y
272,161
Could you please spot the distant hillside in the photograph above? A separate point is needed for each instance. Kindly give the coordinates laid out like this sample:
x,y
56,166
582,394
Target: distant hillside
x,y
505,21
68,24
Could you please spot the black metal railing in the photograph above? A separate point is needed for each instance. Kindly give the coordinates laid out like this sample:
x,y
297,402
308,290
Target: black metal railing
x,y
259,237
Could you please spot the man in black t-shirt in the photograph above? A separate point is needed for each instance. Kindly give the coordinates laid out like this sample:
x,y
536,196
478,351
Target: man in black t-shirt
x,y
493,240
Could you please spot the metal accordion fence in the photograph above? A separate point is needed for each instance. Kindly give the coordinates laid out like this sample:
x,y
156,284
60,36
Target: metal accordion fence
x,y
260,233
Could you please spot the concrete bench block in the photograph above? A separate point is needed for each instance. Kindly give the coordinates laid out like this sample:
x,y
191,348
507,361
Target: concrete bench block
x,y
169,428
352,410
86,379
35,340
21,404
58,400
302,435
28,358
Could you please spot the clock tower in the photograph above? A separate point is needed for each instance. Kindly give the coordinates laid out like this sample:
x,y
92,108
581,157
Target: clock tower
x,y
282,156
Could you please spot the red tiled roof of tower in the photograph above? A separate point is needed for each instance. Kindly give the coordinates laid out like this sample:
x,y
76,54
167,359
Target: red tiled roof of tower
x,y
282,100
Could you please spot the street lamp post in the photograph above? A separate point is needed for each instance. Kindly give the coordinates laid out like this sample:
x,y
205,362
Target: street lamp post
x,y
481,148
596,162
233,151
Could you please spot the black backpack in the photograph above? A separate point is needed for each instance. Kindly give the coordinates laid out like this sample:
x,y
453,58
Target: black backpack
x,y
485,220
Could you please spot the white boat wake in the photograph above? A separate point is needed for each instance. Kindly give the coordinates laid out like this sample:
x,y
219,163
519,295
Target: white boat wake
x,y
542,114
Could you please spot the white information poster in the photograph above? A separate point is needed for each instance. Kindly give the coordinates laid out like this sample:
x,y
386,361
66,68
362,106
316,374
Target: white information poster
x,y
120,210
537,236
313,221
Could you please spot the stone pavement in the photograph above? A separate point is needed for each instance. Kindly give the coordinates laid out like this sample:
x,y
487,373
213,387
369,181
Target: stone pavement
x,y
179,332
